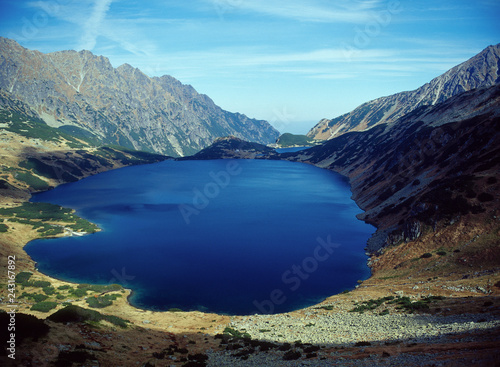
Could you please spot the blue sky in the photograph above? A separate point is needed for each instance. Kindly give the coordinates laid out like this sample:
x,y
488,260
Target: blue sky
x,y
290,62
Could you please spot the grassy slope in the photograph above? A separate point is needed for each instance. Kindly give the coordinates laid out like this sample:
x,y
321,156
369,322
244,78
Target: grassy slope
x,y
37,157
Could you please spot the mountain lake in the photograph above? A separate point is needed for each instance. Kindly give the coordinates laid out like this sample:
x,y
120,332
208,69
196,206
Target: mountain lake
x,y
235,237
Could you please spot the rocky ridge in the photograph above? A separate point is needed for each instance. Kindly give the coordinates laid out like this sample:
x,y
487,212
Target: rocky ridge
x,y
232,147
480,71
83,94
427,169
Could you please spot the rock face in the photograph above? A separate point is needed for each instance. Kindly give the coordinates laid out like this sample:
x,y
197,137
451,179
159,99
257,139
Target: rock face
x,y
480,71
80,92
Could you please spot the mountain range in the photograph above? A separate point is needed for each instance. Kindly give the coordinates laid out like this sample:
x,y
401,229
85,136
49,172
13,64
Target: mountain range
x,y
84,95
424,164
428,180
481,70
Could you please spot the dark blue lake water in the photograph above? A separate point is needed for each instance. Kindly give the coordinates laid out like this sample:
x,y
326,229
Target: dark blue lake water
x,y
236,237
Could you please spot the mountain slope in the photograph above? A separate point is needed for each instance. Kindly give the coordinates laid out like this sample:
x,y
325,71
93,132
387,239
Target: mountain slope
x,y
37,157
480,71
428,169
80,91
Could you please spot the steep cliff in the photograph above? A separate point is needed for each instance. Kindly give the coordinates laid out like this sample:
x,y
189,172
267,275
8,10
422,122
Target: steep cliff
x,y
480,71
79,93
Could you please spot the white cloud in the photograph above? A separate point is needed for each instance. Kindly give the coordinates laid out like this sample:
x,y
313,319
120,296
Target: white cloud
x,y
252,57
73,13
241,63
91,27
344,11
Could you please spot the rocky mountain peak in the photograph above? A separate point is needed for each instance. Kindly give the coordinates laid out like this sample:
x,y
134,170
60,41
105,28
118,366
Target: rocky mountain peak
x,y
81,91
480,71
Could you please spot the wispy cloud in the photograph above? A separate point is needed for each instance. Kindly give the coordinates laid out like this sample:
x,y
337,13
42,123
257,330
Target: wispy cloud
x,y
70,12
240,62
91,27
237,64
344,11
252,57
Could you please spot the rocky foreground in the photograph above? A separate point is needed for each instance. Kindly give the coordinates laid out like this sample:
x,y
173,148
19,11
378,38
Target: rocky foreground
x,y
348,329
446,332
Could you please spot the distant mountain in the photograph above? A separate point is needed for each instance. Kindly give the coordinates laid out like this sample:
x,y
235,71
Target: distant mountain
x,y
287,140
480,71
232,147
82,93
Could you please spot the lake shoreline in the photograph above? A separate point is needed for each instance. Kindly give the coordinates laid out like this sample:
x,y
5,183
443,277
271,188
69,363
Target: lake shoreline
x,y
204,328
246,165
